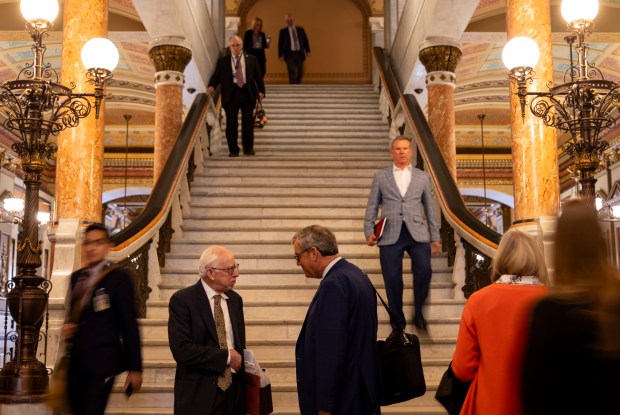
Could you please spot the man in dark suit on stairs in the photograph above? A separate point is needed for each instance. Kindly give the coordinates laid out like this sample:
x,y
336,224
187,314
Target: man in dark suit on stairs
x,y
293,47
206,332
242,84
336,352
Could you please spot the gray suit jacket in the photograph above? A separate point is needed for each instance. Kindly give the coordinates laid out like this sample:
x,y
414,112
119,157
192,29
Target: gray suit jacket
x,y
416,209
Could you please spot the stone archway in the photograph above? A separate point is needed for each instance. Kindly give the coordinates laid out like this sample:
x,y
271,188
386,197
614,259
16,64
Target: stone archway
x,y
338,31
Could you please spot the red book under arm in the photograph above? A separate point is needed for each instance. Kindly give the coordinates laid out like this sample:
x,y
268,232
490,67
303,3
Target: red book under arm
x,y
379,226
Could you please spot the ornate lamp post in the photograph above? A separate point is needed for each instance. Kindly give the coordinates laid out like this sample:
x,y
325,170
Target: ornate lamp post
x,y
34,106
583,105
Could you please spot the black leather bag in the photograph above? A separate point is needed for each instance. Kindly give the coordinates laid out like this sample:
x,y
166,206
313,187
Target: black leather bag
x,y
402,374
260,116
451,392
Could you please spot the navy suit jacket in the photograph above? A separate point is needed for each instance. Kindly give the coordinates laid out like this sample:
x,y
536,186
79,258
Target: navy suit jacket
x,y
193,340
336,352
284,43
223,75
416,209
96,346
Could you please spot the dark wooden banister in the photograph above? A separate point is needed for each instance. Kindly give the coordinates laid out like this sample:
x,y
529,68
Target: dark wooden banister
x,y
159,201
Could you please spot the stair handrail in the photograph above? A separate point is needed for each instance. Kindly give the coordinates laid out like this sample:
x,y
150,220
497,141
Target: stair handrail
x,y
451,201
167,185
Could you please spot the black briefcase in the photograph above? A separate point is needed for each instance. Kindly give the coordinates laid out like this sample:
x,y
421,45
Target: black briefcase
x,y
402,375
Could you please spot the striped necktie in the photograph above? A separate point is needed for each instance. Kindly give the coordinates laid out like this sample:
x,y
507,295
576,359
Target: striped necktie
x,y
239,73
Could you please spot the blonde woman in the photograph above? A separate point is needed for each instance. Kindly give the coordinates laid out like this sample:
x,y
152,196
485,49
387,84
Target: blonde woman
x,y
572,362
493,331
256,42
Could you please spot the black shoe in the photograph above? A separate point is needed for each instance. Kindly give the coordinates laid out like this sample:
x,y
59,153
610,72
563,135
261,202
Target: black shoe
x,y
233,154
249,153
420,325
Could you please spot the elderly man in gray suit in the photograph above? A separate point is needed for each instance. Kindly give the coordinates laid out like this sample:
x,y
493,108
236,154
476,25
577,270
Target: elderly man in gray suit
x,y
404,195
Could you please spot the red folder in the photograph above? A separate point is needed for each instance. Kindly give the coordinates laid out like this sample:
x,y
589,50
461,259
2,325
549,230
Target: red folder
x,y
379,226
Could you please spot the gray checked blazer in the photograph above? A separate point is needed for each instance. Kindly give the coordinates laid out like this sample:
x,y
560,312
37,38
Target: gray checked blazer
x,y
416,208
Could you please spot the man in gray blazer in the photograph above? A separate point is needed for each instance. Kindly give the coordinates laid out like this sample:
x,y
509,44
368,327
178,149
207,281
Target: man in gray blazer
x,y
404,195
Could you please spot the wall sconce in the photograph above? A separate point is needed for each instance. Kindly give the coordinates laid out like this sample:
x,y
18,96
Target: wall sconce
x,y
582,106
36,105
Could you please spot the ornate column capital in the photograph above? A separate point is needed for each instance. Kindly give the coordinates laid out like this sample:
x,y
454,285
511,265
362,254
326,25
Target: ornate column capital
x,y
440,56
170,55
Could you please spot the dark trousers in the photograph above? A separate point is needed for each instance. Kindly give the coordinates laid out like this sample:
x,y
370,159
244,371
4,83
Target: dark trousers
x,y
391,257
88,394
231,401
240,101
295,67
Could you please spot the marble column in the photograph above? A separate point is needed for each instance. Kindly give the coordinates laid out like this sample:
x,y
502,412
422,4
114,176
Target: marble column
x,y
170,55
440,56
79,166
534,146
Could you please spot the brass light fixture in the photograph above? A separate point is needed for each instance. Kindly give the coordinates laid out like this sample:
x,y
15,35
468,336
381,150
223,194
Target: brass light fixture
x,y
583,105
34,106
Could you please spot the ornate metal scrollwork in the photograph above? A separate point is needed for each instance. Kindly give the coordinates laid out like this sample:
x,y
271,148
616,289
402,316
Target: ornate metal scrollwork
x,y
477,269
447,240
165,235
137,266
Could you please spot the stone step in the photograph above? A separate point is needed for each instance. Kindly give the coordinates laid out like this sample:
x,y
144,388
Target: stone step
x,y
346,245
188,275
206,189
280,264
300,181
296,292
183,277
264,329
265,310
368,128
224,201
281,370
272,349
356,119
160,395
303,164
272,218
259,234
322,172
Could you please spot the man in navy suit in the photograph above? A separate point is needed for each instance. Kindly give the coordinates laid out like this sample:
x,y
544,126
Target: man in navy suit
x,y
336,352
293,47
242,84
206,332
102,312
406,200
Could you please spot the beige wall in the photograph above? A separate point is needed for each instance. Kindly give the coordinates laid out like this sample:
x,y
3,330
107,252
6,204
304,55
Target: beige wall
x,y
338,32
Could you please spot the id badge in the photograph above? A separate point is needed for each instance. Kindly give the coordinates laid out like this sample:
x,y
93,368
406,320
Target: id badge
x,y
101,300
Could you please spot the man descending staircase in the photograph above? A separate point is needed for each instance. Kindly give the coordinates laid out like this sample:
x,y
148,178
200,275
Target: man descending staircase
x,y
314,163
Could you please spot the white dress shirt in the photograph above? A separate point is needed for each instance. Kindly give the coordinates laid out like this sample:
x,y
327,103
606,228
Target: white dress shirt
x,y
403,178
330,265
230,340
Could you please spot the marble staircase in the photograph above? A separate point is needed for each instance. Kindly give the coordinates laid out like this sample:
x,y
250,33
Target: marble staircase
x,y
314,164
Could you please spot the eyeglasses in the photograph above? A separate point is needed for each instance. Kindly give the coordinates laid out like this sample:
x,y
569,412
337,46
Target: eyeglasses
x,y
298,255
230,270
